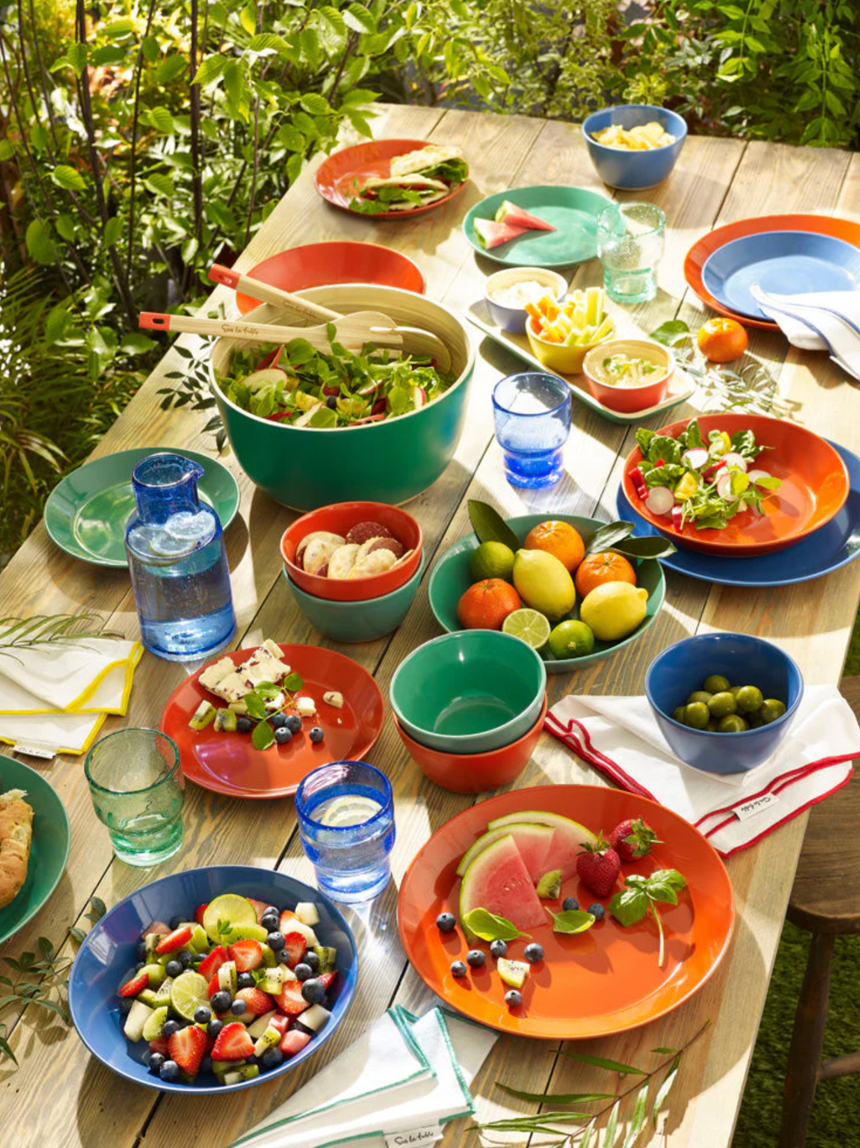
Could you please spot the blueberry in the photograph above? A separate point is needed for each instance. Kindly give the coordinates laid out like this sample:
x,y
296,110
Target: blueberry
x,y
173,968
270,922
185,957
238,1008
141,951
445,922
569,903
513,998
294,723
597,910
498,948
303,971
312,960
534,952
202,1015
170,1027
272,1057
155,1062
278,721
283,736
221,1001
316,735
458,968
169,1071
214,1027
275,941
331,402
245,981
205,1064
244,724
175,922
271,911
313,991
282,956
475,958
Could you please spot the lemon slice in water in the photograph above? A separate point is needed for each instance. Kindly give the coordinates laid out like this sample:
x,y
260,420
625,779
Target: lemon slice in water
x,y
350,809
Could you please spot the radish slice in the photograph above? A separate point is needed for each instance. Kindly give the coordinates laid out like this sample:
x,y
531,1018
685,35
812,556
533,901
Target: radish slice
x,y
695,458
660,500
724,488
734,459
755,475
677,517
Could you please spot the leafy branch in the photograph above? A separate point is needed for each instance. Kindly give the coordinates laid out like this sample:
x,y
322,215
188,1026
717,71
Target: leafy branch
x,y
46,629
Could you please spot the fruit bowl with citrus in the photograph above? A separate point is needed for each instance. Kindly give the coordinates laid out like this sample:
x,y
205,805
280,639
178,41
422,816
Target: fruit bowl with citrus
x,y
573,608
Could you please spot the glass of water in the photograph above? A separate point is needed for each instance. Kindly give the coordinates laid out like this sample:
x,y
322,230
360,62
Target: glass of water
x,y
137,789
346,824
532,416
630,242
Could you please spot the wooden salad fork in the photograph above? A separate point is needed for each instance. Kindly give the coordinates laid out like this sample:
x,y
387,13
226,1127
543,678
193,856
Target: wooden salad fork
x,y
352,335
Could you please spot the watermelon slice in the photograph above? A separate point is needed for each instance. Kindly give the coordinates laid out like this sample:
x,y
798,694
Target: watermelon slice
x,y
498,881
532,840
509,213
493,234
567,839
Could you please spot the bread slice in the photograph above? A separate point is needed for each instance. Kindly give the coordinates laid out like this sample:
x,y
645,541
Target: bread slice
x,y
16,835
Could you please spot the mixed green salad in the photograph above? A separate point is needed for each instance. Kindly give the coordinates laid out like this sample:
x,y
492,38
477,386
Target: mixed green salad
x,y
294,383
705,481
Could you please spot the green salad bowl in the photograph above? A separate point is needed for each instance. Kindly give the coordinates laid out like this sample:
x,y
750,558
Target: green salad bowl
x,y
450,580
388,461
469,692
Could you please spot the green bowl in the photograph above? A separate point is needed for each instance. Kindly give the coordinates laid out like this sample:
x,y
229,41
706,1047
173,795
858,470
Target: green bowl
x,y
362,621
469,692
390,461
450,580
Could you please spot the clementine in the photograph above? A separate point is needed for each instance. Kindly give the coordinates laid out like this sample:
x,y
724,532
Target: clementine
x,y
722,340
559,539
598,569
485,605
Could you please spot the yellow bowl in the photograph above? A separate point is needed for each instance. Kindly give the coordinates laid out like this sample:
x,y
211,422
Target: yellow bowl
x,y
559,357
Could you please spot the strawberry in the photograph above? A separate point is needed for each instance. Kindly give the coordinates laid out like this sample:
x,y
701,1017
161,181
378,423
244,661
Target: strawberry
x,y
598,866
137,984
213,986
256,1000
285,923
211,963
280,1022
233,1043
259,907
247,955
325,979
633,838
294,1041
199,911
159,1045
158,927
187,1047
290,999
178,939
296,945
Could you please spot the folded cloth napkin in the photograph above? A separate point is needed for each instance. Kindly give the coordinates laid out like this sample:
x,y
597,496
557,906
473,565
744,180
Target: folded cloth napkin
x,y
620,737
818,321
75,675
44,735
399,1083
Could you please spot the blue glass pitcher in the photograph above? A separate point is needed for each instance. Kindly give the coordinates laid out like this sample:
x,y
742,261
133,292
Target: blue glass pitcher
x,y
178,562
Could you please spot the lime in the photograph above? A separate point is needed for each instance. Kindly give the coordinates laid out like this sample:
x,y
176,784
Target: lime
x,y
229,908
188,993
529,626
717,684
492,560
350,809
571,640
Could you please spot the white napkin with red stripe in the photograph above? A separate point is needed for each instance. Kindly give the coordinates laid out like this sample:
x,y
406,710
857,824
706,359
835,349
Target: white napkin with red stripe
x,y
620,737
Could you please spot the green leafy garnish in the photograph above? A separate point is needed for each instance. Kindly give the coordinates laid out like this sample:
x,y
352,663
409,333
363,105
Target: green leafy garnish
x,y
642,894
672,333
616,536
489,526
263,734
571,921
481,923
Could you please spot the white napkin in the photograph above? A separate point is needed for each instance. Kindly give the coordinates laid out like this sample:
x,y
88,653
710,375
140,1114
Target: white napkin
x,y
818,321
85,675
620,737
402,1077
45,735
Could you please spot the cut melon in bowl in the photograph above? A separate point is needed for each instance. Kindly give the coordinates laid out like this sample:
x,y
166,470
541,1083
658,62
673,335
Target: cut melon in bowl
x,y
498,881
567,839
532,840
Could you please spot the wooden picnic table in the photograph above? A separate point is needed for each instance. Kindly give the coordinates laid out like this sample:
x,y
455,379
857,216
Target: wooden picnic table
x,y
60,1095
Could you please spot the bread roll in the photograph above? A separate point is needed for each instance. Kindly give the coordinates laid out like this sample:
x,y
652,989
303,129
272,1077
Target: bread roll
x,y
16,834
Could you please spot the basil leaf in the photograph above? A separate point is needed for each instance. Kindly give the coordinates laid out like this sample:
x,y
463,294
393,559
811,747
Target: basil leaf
x,y
489,927
571,921
670,877
489,525
263,736
652,547
629,906
606,537
658,891
671,333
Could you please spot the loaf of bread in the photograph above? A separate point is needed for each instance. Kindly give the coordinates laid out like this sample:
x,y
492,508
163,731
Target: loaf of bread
x,y
16,834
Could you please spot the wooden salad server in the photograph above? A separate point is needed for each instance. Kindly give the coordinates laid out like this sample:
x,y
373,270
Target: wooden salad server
x,y
353,335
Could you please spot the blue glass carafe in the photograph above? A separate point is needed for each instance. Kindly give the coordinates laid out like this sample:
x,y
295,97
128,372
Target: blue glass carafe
x,y
178,562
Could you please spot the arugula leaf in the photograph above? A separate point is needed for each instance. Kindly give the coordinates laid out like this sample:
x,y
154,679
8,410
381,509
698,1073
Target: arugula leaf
x,y
324,417
571,921
489,927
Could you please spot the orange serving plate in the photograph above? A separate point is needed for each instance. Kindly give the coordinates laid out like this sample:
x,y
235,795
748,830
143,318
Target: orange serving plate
x,y
228,763
335,175
594,984
814,488
720,236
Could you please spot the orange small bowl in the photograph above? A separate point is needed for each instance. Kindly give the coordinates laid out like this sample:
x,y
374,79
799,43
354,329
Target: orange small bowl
x,y
627,399
339,518
474,772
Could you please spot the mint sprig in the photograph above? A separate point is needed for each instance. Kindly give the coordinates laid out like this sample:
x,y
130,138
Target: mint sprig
x,y
642,894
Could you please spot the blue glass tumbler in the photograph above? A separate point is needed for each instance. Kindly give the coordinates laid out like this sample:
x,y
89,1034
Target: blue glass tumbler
x,y
532,416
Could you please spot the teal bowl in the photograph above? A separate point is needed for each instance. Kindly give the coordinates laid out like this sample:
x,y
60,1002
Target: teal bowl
x,y
389,461
363,621
469,692
450,580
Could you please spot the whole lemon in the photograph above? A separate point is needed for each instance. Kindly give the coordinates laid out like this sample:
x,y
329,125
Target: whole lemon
x,y
613,610
542,581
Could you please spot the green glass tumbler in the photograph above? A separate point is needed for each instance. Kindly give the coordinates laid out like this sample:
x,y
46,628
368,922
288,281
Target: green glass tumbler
x,y
630,242
137,789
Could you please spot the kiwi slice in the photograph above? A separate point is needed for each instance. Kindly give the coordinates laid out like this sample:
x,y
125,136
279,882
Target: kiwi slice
x,y
549,885
513,973
327,956
155,1023
204,715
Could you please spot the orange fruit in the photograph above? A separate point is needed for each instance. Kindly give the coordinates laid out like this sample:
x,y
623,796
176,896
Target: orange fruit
x,y
722,340
485,605
559,539
598,569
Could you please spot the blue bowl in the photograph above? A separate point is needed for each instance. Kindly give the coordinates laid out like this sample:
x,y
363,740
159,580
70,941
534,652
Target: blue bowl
x,y
744,660
634,170
362,621
109,952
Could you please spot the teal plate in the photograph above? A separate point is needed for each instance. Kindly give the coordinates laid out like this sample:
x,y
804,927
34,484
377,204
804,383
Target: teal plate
x,y
573,212
86,513
450,580
50,847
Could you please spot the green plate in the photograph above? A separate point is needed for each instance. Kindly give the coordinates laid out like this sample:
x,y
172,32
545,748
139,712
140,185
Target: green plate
x,y
49,850
86,513
573,212
450,580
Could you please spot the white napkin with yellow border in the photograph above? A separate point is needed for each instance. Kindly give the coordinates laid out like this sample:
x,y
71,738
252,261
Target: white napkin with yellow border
x,y
76,675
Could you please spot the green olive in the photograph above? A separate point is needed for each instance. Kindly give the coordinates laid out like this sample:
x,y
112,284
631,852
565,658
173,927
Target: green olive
x,y
749,699
696,715
716,684
712,725
732,723
754,721
699,696
771,709
735,690
722,704
679,714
